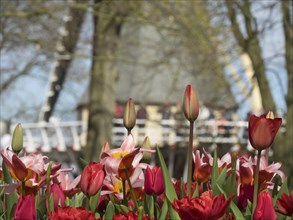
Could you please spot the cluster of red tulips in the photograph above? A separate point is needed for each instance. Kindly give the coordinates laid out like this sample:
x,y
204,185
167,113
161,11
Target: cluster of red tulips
x,y
119,186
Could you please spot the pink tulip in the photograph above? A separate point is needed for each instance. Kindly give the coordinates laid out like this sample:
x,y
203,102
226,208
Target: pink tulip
x,y
190,104
25,208
58,195
262,130
264,209
68,187
154,183
92,178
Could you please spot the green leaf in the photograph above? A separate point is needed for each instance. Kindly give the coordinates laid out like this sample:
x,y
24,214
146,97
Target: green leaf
x,y
41,205
235,210
283,189
173,214
215,171
83,163
110,211
6,173
11,199
51,204
164,210
231,187
195,193
78,201
247,213
146,202
220,180
169,188
124,209
94,201
277,180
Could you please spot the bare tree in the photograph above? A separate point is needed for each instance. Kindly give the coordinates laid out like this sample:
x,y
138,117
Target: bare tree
x,y
65,50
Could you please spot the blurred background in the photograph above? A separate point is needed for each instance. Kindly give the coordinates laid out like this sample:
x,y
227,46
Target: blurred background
x,y
68,68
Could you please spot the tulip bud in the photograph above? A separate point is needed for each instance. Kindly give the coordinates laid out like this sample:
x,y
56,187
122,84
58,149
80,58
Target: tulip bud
x,y
17,139
146,143
154,183
129,118
190,104
92,178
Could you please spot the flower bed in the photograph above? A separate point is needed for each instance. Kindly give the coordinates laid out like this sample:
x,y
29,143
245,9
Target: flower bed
x,y
119,186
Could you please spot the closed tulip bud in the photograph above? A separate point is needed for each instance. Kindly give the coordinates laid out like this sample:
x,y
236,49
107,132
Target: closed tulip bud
x,y
25,208
262,130
92,178
17,139
190,104
129,118
265,208
154,183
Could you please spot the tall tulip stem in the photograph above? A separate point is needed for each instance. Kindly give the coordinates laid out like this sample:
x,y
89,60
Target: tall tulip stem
x,y
131,189
256,174
189,169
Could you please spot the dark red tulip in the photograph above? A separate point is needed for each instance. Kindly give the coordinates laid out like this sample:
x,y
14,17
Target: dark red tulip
x,y
262,130
92,178
285,204
190,104
71,213
25,208
202,208
264,209
154,183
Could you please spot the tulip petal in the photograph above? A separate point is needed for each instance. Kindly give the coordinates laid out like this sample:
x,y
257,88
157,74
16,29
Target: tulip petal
x,y
19,168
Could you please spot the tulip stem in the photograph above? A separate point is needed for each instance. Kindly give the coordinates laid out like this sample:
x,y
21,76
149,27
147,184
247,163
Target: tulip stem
x,y
189,168
124,192
131,190
23,188
255,189
155,208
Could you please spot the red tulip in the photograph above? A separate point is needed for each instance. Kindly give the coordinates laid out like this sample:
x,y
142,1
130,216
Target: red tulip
x,y
190,104
71,213
57,194
204,207
129,216
264,209
245,195
154,183
25,208
92,178
262,130
285,204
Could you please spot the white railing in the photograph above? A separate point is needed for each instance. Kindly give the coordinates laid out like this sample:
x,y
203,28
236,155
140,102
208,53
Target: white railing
x,y
62,135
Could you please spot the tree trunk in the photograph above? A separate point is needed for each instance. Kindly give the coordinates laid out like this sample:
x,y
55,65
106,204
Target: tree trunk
x,y
103,77
283,151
